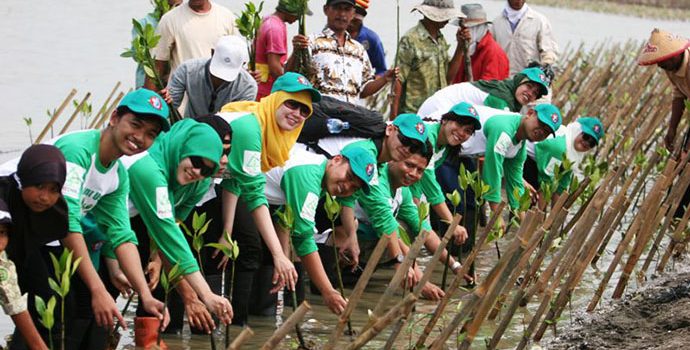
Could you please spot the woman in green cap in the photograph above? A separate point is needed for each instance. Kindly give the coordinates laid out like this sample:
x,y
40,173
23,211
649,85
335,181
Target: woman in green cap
x,y
262,135
573,142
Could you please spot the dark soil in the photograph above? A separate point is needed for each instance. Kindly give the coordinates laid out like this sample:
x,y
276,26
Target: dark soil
x,y
657,317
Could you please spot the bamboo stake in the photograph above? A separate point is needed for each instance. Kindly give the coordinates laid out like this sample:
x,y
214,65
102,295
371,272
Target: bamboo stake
x,y
74,115
103,108
55,116
357,292
241,338
382,322
676,238
110,110
285,328
455,284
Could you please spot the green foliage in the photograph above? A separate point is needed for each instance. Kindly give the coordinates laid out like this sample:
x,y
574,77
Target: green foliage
x,y
404,236
170,279
28,121
422,212
285,218
85,110
46,311
641,159
464,177
454,199
332,208
160,7
199,227
232,252
64,269
496,232
248,25
140,50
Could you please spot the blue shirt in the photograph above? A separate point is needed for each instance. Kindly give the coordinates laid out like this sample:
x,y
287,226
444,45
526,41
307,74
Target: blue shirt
x,y
372,43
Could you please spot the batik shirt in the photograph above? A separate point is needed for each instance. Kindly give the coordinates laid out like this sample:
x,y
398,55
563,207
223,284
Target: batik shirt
x,y
11,298
342,71
423,64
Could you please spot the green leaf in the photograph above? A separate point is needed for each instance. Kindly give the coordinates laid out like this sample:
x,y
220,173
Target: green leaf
x,y
198,243
235,250
454,198
54,286
332,208
185,229
222,247
56,264
149,72
404,236
205,227
196,222
40,305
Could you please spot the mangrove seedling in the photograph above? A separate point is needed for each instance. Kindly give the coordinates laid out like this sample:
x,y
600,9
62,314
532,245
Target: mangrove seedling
x,y
85,110
231,251
303,62
47,314
160,7
286,221
50,116
248,25
169,281
28,121
64,269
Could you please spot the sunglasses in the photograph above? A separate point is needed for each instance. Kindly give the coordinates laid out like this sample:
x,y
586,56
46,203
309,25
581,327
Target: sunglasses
x,y
198,163
591,142
294,105
413,145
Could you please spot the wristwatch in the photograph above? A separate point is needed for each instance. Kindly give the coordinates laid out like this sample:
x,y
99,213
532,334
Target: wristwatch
x,y
399,258
456,265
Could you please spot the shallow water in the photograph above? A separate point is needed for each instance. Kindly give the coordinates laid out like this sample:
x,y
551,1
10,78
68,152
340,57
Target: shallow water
x,y
50,47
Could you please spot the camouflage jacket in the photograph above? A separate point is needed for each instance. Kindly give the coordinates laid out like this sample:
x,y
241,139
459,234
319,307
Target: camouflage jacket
x,y
423,64
11,298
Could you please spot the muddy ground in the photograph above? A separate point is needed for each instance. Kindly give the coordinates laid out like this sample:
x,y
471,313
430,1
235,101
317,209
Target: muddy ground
x,y
655,317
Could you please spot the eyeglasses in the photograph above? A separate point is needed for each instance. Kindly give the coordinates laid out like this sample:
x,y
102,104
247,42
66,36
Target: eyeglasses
x,y
198,163
413,145
591,142
294,105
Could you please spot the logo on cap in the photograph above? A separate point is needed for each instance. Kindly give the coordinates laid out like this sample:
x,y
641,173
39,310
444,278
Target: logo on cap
x,y
597,129
649,48
472,111
554,118
155,102
370,169
302,80
542,77
227,59
420,127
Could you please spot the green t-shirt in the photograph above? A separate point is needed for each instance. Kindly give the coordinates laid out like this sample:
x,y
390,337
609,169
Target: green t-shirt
x,y
548,155
93,188
428,184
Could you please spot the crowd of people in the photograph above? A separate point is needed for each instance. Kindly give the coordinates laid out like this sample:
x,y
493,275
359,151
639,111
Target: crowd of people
x,y
116,197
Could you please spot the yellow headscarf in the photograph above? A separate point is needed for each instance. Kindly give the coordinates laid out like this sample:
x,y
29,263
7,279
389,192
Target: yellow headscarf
x,y
274,153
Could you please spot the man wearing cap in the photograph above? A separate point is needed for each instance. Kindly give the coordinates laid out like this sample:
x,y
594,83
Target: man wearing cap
x,y
423,54
525,35
367,37
214,82
672,54
299,185
189,31
573,142
97,184
343,69
502,142
489,61
271,43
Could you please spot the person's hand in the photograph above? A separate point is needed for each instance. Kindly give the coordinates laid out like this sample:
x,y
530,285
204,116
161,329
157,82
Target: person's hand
x,y
463,34
105,310
335,302
432,292
460,234
220,307
198,315
669,138
300,42
121,283
257,76
284,273
412,278
153,270
533,193
155,308
224,259
391,74
165,94
349,251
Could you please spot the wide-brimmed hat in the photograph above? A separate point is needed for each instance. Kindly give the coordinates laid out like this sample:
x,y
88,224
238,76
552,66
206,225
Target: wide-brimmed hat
x,y
475,15
438,10
661,46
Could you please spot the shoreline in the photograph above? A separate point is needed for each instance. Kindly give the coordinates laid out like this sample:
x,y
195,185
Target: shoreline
x,y
632,8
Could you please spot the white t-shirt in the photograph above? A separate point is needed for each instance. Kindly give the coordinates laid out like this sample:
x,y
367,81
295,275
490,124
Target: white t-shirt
x,y
443,100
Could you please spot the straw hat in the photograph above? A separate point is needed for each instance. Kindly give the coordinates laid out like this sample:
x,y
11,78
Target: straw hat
x,y
438,10
661,46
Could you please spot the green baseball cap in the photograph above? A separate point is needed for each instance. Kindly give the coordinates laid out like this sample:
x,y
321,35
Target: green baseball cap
x,y
592,127
549,115
362,163
538,76
295,82
412,126
464,109
145,101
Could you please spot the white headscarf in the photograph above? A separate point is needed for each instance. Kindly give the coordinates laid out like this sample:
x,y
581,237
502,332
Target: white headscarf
x,y
477,33
514,16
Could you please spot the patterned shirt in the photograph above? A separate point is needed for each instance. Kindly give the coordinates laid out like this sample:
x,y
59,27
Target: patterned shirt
x,y
11,298
423,64
342,71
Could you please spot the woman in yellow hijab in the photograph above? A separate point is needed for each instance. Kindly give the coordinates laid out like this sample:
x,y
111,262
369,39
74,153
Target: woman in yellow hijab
x,y
262,135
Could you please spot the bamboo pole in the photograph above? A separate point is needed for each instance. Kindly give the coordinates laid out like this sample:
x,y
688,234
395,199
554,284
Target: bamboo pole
x,y
455,284
241,338
285,328
74,115
676,238
109,111
382,322
103,108
55,116
357,292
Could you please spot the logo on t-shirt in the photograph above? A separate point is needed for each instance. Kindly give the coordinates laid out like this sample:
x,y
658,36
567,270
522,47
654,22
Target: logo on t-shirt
x,y
73,181
503,144
155,102
163,206
251,163
308,211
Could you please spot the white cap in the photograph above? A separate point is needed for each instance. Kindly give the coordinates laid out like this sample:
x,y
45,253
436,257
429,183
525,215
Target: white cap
x,y
229,56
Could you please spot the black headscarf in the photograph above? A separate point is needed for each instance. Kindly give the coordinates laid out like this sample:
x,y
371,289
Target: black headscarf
x,y
40,164
218,124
